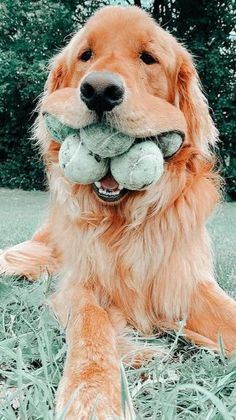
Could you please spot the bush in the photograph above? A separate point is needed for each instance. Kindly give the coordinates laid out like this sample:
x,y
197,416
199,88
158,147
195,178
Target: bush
x,y
31,32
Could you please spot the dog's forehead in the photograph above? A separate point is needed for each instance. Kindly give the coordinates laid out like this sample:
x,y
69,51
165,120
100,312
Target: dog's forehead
x,y
116,23
119,15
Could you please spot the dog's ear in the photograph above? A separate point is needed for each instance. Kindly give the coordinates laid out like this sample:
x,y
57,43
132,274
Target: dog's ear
x,y
59,73
192,102
63,64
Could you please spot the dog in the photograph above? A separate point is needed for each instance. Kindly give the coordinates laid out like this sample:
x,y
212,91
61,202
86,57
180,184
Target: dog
x,y
144,258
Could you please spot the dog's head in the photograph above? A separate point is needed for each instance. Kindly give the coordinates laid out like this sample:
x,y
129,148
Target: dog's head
x,y
126,68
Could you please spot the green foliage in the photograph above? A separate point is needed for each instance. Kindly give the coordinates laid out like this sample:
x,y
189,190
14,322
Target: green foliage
x,y
31,32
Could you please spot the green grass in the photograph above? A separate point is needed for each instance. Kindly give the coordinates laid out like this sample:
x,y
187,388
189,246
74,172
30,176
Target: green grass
x,y
188,383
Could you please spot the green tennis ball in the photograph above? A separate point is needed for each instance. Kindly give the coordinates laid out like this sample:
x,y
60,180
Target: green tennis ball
x,y
104,140
56,128
170,143
140,167
79,164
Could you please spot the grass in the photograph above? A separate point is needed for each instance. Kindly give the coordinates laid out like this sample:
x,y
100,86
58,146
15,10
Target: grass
x,y
188,383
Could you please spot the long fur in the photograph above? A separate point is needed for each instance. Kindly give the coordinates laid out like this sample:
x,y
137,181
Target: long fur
x,y
149,256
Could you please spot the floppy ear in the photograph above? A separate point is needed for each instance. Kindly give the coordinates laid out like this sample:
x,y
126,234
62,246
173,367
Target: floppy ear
x,y
59,73
192,102
62,65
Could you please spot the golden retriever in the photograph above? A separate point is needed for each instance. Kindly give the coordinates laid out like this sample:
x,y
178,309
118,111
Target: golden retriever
x,y
143,260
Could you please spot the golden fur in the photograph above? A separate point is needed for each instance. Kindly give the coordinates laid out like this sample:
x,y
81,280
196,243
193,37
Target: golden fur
x,y
145,261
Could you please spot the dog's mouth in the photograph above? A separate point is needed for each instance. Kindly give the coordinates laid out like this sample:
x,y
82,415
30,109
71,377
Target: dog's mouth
x,y
108,189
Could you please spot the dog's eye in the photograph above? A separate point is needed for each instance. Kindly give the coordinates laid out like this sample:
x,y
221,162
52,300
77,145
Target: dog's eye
x,y
147,58
86,55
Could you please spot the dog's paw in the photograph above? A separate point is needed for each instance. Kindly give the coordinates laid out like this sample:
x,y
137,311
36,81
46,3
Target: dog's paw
x,y
28,259
86,400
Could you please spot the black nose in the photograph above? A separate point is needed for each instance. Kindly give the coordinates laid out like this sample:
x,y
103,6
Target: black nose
x,y
102,91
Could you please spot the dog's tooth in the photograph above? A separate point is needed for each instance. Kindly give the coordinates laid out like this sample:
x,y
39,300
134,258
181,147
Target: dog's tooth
x,y
120,187
109,193
98,184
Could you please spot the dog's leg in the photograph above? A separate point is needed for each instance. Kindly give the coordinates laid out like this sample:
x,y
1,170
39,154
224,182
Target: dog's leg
x,y
91,380
212,314
30,258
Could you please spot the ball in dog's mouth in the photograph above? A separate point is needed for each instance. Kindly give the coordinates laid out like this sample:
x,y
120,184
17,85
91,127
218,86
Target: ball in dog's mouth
x,y
108,189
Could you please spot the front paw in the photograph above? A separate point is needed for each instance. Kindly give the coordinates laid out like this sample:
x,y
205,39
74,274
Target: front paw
x,y
29,259
83,400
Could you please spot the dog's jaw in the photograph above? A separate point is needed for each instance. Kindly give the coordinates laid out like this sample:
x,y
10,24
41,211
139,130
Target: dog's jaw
x,y
109,197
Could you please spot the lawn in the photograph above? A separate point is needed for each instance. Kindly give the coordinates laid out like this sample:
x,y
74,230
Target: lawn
x,y
188,383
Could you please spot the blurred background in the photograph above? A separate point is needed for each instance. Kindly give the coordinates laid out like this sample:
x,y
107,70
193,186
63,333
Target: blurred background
x,y
31,32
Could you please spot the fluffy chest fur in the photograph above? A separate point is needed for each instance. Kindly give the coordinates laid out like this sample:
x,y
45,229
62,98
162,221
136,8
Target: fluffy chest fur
x,y
143,269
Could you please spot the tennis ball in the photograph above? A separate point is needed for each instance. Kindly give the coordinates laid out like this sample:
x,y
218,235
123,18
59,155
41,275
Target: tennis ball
x,y
170,143
79,164
105,140
56,128
140,167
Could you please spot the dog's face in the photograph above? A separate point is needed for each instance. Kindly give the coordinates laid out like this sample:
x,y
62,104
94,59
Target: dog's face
x,y
125,67
119,48
124,50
